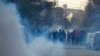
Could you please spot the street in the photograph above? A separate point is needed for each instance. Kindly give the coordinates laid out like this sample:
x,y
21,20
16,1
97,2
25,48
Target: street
x,y
80,51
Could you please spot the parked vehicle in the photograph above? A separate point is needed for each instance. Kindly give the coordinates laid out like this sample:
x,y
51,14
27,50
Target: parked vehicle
x,y
96,44
90,40
93,41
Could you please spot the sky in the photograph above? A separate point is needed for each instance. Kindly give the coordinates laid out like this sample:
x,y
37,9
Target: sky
x,y
73,4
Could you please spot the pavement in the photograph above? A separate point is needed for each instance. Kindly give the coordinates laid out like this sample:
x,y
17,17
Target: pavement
x,y
73,50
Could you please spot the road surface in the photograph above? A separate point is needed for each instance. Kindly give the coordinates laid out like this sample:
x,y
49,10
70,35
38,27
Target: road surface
x,y
80,51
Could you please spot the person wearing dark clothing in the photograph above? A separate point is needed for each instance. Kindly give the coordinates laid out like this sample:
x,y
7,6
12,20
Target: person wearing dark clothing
x,y
54,37
77,36
73,37
62,35
69,38
50,36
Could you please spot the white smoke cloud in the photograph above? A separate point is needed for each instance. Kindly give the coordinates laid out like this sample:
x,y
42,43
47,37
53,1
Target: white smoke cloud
x,y
12,43
12,38
42,47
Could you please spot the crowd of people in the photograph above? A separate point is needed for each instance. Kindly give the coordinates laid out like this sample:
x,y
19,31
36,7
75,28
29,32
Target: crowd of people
x,y
76,37
58,35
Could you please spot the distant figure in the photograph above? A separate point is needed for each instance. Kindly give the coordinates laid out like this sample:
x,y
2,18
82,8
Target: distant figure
x,y
50,36
69,37
62,35
77,36
73,37
54,33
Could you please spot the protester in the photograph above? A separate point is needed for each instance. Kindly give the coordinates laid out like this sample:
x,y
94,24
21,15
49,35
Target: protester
x,y
77,36
54,34
69,37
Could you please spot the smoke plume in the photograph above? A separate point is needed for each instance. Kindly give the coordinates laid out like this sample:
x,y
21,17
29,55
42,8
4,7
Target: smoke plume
x,y
12,41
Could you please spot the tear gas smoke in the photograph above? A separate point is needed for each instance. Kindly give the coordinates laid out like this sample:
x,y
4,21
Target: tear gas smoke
x,y
12,43
12,37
